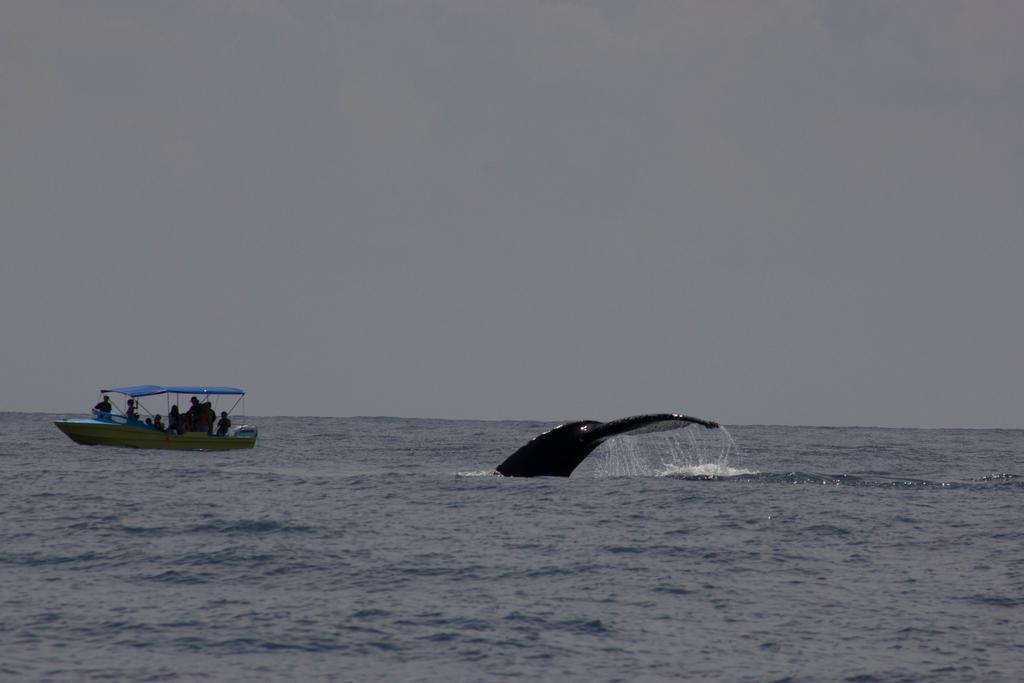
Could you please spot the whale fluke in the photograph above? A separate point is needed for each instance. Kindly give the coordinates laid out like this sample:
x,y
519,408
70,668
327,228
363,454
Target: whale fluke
x,y
556,453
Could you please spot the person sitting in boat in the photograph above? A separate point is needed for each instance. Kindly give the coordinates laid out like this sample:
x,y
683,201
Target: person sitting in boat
x,y
174,420
158,422
104,406
223,424
130,412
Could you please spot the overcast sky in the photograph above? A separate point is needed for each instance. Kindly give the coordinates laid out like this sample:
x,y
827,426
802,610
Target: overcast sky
x,y
790,212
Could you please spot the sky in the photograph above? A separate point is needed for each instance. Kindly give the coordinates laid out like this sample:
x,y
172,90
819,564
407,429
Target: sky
x,y
797,212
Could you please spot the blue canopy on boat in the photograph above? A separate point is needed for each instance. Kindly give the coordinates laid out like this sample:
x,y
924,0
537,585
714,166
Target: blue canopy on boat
x,y
154,389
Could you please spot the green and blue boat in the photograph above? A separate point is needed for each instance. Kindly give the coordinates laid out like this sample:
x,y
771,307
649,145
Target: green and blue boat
x,y
129,428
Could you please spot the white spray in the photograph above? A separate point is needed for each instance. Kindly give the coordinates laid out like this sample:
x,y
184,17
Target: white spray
x,y
690,452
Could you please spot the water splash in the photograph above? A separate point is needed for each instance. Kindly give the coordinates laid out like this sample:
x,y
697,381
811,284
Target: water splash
x,y
476,473
690,452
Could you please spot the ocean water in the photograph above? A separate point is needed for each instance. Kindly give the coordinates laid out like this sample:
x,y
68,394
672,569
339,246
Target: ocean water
x,y
379,549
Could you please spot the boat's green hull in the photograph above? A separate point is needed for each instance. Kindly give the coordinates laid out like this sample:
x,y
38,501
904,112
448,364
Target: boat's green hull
x,y
97,433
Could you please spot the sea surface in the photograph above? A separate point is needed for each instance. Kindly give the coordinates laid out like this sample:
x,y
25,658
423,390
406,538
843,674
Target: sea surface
x,y
381,549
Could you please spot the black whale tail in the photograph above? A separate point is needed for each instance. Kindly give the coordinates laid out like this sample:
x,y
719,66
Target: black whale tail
x,y
556,453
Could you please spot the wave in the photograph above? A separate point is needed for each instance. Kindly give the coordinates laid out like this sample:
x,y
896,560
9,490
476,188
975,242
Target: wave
x,y
249,526
872,480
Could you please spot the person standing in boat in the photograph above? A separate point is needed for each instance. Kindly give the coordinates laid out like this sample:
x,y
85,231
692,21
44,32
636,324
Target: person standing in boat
x,y
200,419
130,412
158,422
192,416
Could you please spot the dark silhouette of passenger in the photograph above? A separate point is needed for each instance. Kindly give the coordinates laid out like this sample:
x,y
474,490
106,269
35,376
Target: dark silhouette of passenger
x,y
174,420
194,416
104,405
130,412
200,418
223,424
158,422
208,417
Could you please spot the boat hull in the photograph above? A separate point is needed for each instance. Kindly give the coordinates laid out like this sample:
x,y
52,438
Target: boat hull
x,y
100,433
